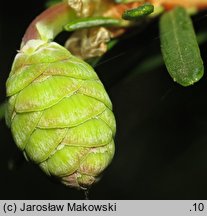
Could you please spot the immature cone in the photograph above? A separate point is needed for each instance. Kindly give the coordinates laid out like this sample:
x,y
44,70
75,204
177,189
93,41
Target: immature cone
x,y
60,114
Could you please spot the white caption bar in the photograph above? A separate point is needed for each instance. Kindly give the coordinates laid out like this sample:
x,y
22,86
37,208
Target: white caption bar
x,y
103,207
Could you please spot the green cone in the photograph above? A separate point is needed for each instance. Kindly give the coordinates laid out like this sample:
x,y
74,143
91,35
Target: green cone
x,y
60,114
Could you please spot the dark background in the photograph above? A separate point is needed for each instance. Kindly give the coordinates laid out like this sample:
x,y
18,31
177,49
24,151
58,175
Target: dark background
x,y
161,142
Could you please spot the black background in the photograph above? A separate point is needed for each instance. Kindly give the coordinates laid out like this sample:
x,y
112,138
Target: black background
x,y
161,142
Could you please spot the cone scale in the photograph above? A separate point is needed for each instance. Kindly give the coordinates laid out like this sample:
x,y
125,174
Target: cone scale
x,y
59,113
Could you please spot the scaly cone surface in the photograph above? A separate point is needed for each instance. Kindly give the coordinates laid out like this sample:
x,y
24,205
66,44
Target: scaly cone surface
x,y
60,114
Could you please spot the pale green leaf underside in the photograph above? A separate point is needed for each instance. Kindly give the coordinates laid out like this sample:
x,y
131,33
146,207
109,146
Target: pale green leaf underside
x,y
180,48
